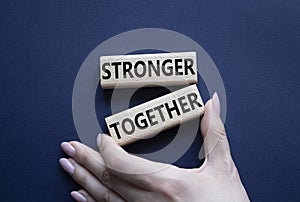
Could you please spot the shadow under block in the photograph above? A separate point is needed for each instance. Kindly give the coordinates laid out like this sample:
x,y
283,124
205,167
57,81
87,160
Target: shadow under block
x,y
150,118
160,69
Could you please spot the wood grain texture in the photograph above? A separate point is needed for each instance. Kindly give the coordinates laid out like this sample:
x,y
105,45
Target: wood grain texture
x,y
163,69
150,118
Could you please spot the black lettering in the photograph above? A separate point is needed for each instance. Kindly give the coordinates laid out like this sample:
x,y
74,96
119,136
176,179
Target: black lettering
x,y
155,69
141,63
115,127
151,117
106,70
131,131
192,97
183,104
170,72
178,67
188,66
143,121
170,109
116,65
127,66
158,108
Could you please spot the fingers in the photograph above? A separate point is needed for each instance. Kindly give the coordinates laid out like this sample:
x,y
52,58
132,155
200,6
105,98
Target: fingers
x,y
139,171
88,181
127,190
215,143
93,162
85,156
82,196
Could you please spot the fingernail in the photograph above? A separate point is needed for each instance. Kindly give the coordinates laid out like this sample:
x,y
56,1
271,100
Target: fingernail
x,y
68,148
78,196
67,165
216,104
99,139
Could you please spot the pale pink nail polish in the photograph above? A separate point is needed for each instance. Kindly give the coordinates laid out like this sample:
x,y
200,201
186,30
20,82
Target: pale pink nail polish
x,y
78,196
68,148
216,104
67,165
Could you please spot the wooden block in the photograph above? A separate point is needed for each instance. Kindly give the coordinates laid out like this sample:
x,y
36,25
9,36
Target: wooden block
x,y
164,69
150,118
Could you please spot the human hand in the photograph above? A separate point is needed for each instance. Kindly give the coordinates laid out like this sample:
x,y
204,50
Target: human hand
x,y
114,175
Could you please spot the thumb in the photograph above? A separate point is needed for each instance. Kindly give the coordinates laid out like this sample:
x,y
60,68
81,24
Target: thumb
x,y
215,142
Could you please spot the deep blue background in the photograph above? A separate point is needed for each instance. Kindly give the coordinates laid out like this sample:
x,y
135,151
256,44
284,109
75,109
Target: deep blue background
x,y
255,44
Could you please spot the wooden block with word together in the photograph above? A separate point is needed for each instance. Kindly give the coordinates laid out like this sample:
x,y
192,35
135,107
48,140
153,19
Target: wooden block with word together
x,y
150,118
162,69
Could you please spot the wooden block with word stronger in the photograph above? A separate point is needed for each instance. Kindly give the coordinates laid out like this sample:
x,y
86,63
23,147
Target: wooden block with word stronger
x,y
162,69
150,118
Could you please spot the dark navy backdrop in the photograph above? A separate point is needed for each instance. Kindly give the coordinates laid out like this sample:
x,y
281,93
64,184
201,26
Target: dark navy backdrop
x,y
255,44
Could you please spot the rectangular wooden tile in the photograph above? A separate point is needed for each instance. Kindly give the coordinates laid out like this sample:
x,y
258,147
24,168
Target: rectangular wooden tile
x,y
162,69
150,118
